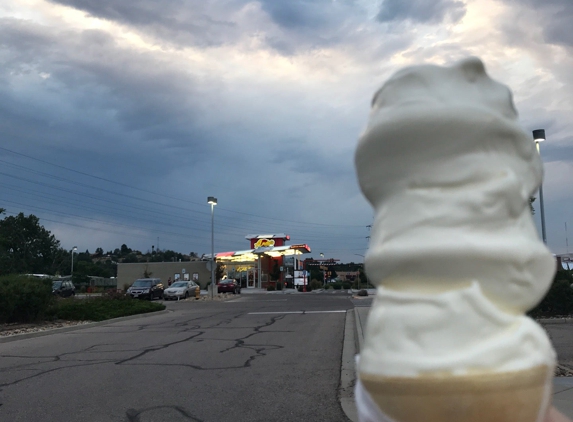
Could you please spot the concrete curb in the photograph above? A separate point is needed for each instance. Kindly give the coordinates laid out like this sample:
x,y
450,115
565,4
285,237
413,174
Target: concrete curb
x,y
360,326
348,370
16,337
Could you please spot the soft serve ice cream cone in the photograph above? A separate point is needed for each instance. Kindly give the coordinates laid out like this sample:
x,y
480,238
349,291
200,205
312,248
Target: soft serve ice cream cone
x,y
453,251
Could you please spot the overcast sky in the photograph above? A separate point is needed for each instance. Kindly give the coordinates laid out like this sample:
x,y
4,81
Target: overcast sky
x,y
119,118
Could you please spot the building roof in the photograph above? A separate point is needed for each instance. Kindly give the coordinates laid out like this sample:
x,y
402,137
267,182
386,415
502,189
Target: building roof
x,y
268,236
253,254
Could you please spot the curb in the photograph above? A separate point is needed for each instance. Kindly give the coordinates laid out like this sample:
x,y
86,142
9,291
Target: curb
x,y
16,337
347,369
359,329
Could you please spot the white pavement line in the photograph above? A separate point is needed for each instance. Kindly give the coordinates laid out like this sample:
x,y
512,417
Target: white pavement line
x,y
277,312
326,312
298,312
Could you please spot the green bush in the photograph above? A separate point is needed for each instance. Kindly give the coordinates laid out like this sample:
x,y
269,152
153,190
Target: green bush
x,y
24,299
315,284
270,288
109,306
558,301
337,285
346,285
328,286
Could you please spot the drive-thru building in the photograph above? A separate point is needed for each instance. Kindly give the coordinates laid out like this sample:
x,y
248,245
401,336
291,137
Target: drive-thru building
x,y
267,262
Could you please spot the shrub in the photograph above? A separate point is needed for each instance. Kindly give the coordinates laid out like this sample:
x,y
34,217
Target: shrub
x,y
270,288
101,308
24,299
557,302
315,284
115,294
337,285
346,285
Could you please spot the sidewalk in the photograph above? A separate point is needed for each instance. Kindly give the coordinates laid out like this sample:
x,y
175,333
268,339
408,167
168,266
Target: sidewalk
x,y
562,386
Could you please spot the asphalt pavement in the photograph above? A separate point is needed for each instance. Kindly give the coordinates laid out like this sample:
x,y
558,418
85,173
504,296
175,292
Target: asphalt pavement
x,y
119,346
261,357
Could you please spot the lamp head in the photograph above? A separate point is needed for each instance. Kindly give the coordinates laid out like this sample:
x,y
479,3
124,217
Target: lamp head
x,y
539,135
75,248
212,200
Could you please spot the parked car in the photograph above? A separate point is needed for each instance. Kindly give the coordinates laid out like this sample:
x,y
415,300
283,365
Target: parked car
x,y
181,290
228,285
146,288
63,288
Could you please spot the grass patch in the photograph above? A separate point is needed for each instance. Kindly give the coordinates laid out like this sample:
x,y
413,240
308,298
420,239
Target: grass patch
x,y
101,308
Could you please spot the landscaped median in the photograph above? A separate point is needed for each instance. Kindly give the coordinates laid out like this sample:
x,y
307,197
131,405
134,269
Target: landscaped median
x,y
29,299
101,308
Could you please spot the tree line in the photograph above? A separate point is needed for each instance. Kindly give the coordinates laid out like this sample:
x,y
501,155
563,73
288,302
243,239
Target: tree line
x,y
26,247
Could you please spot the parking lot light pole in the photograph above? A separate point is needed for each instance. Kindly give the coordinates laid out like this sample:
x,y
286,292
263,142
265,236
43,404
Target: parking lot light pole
x,y
212,201
75,248
539,136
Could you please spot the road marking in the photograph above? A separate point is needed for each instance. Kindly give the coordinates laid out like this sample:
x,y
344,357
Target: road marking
x,y
326,312
298,312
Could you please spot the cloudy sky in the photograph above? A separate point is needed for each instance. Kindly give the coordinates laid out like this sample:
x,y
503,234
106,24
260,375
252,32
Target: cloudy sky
x,y
119,118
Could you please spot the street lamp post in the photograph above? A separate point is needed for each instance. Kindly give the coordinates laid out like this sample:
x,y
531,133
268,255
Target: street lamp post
x,y
75,248
212,201
323,272
539,136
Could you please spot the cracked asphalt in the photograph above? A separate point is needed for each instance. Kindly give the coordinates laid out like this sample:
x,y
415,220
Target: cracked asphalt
x,y
254,358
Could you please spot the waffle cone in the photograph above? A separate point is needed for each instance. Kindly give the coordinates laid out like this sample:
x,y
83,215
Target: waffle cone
x,y
521,396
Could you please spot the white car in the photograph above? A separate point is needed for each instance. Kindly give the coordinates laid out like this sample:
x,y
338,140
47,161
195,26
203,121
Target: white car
x,y
180,290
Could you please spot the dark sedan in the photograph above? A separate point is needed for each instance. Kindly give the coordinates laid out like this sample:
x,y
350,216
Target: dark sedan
x,y
228,285
63,288
146,288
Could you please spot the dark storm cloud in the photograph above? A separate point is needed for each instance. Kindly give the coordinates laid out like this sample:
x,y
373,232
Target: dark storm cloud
x,y
422,11
295,14
78,91
554,16
139,90
184,22
296,24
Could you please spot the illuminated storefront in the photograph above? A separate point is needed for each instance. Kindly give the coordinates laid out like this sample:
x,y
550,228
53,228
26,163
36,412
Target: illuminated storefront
x,y
268,262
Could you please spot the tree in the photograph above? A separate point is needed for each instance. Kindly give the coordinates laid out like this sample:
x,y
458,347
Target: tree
x,y
219,271
27,247
531,201
130,258
125,250
362,277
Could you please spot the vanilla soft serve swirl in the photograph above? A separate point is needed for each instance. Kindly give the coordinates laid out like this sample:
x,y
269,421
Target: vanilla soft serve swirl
x,y
453,249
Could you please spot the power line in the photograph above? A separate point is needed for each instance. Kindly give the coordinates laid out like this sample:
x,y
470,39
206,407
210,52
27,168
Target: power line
x,y
160,194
